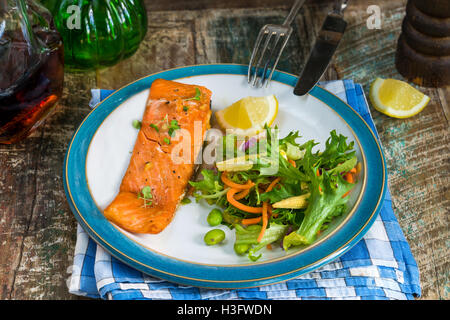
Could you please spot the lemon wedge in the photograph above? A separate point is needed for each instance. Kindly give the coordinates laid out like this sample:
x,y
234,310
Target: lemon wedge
x,y
397,98
248,115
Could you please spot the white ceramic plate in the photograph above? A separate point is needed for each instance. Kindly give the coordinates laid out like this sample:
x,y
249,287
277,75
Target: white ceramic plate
x,y
106,138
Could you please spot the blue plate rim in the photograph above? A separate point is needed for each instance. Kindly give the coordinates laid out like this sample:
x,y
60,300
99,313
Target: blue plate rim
x,y
204,275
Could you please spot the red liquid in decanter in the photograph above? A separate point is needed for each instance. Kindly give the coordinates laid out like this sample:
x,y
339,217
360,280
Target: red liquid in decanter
x,y
31,82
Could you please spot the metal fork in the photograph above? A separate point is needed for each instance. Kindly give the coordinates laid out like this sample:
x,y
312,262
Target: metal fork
x,y
270,31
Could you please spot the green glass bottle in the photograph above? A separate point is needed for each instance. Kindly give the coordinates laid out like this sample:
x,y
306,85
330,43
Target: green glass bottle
x,y
98,33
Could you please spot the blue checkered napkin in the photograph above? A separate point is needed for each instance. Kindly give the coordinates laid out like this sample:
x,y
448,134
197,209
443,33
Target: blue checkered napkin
x,y
380,266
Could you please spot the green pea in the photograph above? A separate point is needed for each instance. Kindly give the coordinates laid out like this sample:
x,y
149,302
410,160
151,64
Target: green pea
x,y
214,217
214,236
241,248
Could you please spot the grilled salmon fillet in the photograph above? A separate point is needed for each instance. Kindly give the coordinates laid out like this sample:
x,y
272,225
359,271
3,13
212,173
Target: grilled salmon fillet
x,y
162,160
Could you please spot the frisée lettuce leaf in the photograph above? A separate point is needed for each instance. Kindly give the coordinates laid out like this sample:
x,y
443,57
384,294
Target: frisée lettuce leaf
x,y
327,197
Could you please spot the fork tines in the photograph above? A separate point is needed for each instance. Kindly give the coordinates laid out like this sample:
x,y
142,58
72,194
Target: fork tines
x,y
267,58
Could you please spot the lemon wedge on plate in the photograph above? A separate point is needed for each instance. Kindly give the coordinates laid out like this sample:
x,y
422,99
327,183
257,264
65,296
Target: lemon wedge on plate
x,y
248,115
397,98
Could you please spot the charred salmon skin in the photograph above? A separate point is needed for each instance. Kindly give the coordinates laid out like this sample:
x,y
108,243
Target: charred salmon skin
x,y
173,126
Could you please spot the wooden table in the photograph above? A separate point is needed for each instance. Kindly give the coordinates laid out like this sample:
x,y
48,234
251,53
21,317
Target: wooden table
x,y
37,228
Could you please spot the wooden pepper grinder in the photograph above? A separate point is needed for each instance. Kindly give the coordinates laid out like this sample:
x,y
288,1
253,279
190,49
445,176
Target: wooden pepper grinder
x,y
423,49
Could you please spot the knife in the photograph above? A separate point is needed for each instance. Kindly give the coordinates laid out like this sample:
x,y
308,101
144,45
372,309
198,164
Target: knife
x,y
327,41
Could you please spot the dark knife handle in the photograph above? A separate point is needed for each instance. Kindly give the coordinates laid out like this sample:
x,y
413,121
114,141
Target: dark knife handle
x,y
327,41
332,28
334,22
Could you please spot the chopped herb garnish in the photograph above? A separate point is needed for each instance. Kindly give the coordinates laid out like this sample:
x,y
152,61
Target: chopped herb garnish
x,y
167,140
198,95
186,201
137,124
154,126
173,126
146,194
185,108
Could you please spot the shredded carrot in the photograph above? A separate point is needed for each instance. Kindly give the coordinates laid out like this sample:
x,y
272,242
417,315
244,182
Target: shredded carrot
x,y
243,207
249,221
349,177
318,174
264,221
234,185
272,184
269,209
353,170
293,163
242,194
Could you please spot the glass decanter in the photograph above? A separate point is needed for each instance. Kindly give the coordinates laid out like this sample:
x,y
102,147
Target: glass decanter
x,y
31,68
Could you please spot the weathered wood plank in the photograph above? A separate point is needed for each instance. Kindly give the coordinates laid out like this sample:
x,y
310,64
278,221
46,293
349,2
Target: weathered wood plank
x,y
228,36
169,43
416,149
37,230
208,4
444,99
17,185
49,242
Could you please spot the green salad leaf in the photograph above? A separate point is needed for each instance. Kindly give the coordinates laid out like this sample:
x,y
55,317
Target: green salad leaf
x,y
249,237
290,139
210,187
336,151
282,191
345,166
300,169
326,199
